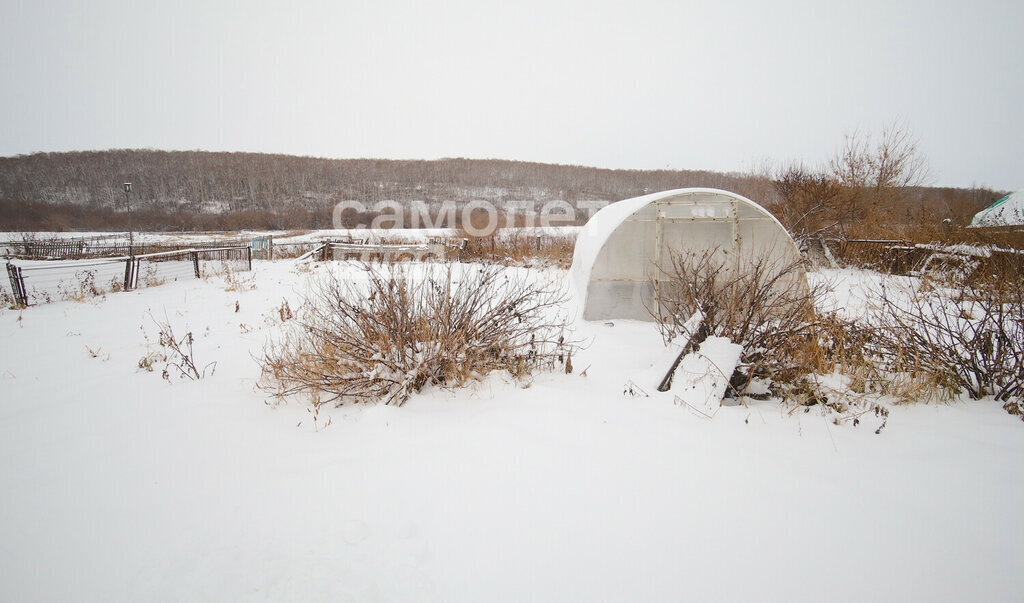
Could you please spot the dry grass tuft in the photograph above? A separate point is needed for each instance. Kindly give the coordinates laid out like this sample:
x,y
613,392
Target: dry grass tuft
x,y
175,352
83,288
518,248
231,279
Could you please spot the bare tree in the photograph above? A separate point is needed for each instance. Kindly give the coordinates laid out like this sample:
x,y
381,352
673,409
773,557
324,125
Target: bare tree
x,y
875,177
895,162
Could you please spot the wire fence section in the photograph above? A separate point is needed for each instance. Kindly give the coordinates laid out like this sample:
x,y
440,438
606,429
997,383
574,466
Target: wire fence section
x,y
222,259
111,246
34,282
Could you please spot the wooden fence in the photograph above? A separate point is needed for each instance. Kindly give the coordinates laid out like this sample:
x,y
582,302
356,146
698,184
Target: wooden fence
x,y
383,252
892,256
903,257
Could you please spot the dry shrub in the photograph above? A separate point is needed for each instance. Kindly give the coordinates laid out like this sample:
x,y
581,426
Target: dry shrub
x,y
82,288
811,203
284,311
175,352
766,307
42,296
150,276
179,354
232,281
963,334
147,362
386,337
518,248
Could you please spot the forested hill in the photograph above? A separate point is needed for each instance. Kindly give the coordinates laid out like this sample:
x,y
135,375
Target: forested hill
x,y
206,181
197,190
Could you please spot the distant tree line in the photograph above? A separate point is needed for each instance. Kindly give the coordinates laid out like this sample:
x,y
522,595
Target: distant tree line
x,y
196,190
261,181
35,215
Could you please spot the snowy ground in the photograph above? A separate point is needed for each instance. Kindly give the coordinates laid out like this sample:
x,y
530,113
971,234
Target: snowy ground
x,y
121,486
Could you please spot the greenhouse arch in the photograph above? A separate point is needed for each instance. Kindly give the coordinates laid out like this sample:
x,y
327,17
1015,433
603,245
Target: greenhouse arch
x,y
625,248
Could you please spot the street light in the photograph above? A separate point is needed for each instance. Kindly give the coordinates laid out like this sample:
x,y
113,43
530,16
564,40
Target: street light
x,y
131,239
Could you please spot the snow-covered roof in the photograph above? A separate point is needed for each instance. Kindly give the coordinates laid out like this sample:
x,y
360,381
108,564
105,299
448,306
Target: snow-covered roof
x,y
1008,211
597,230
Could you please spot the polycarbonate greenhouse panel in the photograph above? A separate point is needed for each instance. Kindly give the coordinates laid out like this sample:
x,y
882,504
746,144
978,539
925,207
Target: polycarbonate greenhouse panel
x,y
628,245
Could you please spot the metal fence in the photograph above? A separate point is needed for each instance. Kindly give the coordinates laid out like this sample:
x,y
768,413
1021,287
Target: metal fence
x,y
152,269
96,247
70,248
219,259
43,281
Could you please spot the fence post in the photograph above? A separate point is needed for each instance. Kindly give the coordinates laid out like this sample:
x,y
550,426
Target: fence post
x,y
248,257
131,273
270,249
17,284
195,262
128,274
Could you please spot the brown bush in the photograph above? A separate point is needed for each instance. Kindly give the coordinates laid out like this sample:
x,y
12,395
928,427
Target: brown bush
x,y
388,337
519,248
964,334
766,307
811,203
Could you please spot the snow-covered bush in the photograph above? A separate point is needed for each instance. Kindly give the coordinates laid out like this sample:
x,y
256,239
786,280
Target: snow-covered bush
x,y
964,334
768,308
400,328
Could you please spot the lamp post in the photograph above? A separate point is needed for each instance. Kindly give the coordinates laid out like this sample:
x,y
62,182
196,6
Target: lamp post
x,y
131,239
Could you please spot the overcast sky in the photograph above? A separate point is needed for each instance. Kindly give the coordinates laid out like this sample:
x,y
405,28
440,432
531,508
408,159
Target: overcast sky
x,y
713,85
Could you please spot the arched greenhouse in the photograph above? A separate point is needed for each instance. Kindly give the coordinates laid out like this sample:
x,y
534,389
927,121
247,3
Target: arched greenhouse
x,y
625,250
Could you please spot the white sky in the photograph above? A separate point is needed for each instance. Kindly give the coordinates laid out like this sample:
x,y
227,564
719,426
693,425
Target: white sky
x,y
642,84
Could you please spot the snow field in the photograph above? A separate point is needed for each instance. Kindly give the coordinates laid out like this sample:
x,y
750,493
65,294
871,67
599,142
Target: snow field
x,y
119,485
